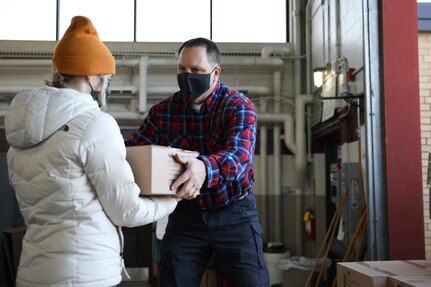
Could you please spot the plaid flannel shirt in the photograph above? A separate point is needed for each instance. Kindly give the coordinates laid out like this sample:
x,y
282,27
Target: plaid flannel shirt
x,y
223,131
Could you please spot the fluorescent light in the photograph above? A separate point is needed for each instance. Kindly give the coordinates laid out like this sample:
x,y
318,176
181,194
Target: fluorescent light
x,y
318,76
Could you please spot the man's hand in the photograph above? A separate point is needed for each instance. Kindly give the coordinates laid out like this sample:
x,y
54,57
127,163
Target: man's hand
x,y
191,179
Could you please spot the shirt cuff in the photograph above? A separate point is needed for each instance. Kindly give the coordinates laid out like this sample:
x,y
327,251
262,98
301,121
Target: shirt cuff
x,y
211,169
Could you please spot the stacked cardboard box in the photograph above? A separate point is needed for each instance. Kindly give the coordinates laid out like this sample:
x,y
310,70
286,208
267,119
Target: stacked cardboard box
x,y
409,281
380,273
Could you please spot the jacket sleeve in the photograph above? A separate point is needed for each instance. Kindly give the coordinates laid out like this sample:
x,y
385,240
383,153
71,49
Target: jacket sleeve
x,y
105,164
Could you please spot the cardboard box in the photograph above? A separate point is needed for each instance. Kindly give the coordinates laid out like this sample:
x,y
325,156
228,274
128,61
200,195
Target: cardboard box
x,y
421,263
155,168
375,273
409,281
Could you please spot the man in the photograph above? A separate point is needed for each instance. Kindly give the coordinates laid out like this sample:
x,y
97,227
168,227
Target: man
x,y
216,217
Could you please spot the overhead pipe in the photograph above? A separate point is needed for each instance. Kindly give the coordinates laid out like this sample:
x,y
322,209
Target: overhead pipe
x,y
143,75
236,61
299,184
300,165
300,135
13,63
143,63
308,73
300,158
277,158
125,115
268,50
161,90
286,119
264,171
288,123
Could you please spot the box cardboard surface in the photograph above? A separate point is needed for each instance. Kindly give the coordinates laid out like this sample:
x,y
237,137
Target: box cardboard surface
x,y
421,263
409,281
375,273
155,168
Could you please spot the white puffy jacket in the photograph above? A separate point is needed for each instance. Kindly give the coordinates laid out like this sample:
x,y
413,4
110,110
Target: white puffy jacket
x,y
74,186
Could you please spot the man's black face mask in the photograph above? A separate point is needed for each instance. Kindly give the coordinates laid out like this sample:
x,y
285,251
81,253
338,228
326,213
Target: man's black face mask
x,y
192,86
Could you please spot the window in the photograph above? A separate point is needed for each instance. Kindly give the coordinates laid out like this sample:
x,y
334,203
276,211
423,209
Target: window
x,y
172,20
18,20
113,19
253,21
249,21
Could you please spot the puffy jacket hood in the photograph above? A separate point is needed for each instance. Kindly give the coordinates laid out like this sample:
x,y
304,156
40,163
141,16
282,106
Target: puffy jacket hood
x,y
34,115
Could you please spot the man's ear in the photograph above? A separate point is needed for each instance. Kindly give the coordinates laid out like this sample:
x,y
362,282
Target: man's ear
x,y
218,71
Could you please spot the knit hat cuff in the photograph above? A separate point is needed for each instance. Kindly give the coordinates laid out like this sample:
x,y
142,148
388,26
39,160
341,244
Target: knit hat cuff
x,y
84,66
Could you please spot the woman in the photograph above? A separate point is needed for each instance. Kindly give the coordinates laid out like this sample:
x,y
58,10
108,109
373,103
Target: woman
x,y
67,166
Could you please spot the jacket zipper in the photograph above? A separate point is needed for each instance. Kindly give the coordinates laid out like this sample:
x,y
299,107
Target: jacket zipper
x,y
121,238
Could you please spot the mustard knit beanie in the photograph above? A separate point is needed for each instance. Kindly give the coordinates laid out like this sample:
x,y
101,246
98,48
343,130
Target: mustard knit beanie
x,y
81,53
